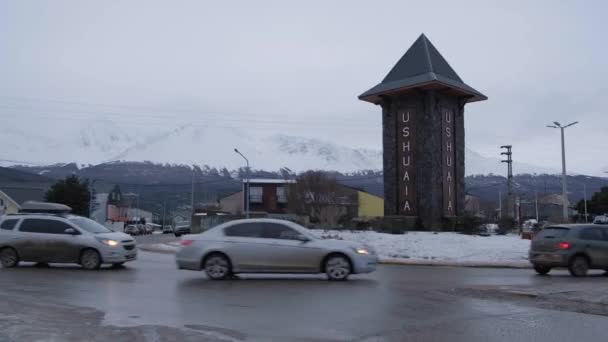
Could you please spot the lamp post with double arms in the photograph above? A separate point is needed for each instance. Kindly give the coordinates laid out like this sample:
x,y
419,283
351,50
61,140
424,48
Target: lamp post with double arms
x,y
246,184
564,185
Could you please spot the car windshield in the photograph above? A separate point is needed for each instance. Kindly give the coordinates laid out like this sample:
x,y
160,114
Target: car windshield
x,y
89,225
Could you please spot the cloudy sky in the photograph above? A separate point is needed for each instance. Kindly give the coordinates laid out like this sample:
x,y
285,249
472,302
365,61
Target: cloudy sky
x,y
298,67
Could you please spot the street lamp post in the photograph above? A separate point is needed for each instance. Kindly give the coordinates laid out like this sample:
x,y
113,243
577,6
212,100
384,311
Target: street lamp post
x,y
192,196
286,172
509,161
564,186
91,195
585,197
247,184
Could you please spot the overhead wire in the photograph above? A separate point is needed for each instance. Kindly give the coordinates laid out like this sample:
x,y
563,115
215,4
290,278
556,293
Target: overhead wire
x,y
206,117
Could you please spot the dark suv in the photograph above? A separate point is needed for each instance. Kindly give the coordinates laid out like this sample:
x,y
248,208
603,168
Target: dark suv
x,y
579,247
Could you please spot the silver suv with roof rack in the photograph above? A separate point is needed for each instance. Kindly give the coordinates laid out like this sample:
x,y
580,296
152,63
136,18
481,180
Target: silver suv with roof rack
x,y
48,233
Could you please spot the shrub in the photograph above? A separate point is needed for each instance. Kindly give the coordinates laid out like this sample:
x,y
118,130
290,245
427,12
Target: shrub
x,y
505,225
468,224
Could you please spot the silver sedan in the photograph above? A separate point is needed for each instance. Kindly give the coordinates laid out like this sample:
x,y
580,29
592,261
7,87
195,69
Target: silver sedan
x,y
271,246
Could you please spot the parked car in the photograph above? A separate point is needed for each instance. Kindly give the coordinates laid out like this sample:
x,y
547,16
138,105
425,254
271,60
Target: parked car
x,y
579,247
132,230
601,219
271,246
181,230
62,238
529,229
167,229
487,229
145,229
152,227
491,228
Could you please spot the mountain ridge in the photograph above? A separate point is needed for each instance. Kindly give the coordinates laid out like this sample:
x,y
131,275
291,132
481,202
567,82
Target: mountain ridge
x,y
207,145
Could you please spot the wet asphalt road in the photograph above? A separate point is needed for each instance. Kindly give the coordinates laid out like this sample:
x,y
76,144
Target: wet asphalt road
x,y
150,300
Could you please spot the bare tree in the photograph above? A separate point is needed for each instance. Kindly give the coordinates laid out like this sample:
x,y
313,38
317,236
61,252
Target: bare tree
x,y
319,196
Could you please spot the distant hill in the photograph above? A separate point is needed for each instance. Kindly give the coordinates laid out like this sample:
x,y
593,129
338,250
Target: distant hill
x,y
172,184
487,187
17,175
22,186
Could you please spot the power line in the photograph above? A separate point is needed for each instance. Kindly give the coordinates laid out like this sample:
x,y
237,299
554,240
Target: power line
x,y
217,116
152,109
197,123
208,116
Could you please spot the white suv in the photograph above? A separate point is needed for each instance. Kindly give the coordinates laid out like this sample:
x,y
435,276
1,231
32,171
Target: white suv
x,y
62,238
601,219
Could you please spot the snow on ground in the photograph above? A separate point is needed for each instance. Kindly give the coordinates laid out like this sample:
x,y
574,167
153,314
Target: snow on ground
x,y
159,247
441,248
425,248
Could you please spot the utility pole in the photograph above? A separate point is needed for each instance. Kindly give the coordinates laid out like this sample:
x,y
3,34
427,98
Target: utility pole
x,y
164,208
564,186
509,161
246,195
192,196
137,204
536,204
499,204
91,197
585,197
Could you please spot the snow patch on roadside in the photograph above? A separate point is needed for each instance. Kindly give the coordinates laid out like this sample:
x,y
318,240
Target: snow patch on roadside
x,y
159,248
441,248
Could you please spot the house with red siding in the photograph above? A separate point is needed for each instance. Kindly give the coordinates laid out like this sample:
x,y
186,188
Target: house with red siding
x,y
265,196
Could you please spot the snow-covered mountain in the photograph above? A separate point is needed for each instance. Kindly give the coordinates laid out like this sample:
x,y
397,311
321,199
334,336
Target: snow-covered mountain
x,y
476,164
107,141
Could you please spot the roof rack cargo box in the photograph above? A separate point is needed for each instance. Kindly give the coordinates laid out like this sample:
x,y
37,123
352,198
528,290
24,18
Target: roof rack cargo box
x,y
44,207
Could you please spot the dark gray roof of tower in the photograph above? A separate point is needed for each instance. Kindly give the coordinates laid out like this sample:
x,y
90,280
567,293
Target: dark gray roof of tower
x,y
422,64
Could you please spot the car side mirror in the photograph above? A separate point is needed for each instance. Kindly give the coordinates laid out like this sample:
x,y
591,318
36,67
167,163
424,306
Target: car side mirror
x,y
302,238
71,231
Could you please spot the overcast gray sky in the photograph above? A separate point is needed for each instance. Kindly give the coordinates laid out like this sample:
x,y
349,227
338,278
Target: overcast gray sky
x,y
307,61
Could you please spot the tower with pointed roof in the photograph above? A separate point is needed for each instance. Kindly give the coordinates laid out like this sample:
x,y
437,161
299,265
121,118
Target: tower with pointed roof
x,y
422,100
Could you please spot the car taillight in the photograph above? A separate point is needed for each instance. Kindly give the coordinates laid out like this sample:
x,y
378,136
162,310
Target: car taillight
x,y
563,245
186,242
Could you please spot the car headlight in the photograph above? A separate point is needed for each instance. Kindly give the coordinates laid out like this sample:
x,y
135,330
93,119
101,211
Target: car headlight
x,y
108,242
360,250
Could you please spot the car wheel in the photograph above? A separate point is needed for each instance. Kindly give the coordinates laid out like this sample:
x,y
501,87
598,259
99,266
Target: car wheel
x,y
578,266
541,269
9,258
337,267
90,259
217,267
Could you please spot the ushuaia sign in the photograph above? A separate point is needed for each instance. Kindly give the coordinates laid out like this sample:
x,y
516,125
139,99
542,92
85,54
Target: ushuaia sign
x,y
407,171
423,101
449,160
